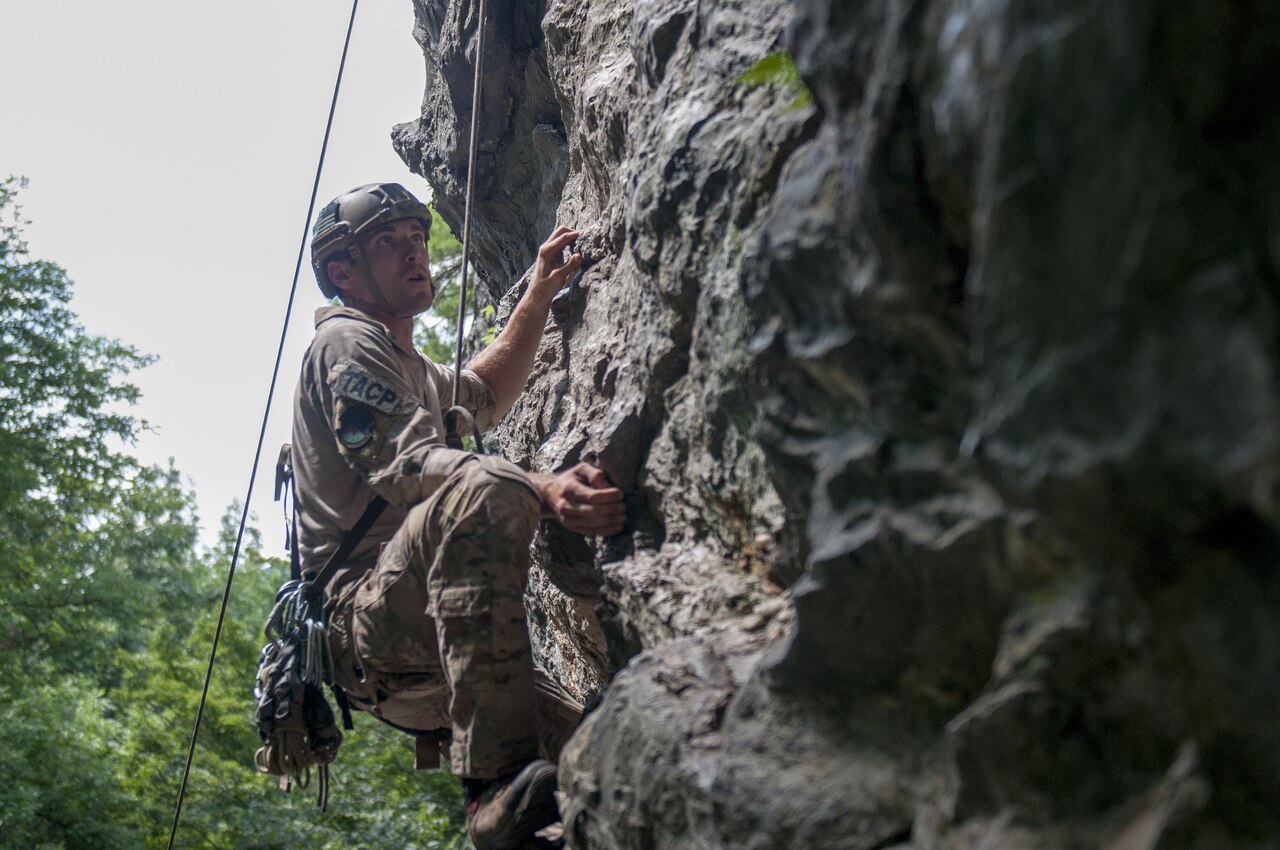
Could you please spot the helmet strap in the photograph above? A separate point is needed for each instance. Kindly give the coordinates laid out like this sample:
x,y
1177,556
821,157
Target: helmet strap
x,y
362,268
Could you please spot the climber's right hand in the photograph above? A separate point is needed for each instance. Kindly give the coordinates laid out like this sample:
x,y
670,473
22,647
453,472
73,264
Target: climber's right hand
x,y
582,499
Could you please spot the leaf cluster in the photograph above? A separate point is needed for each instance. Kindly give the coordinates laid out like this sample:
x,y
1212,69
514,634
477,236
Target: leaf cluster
x,y
436,331
779,69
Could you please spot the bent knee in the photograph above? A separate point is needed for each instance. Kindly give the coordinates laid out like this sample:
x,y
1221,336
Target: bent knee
x,y
509,497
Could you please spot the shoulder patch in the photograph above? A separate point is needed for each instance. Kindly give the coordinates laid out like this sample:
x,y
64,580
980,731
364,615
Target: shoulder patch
x,y
355,426
358,385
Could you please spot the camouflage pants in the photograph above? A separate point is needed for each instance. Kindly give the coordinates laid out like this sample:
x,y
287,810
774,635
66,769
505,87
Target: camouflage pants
x,y
438,625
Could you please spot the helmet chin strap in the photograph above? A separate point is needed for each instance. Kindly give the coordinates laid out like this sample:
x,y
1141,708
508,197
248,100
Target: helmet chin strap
x,y
362,268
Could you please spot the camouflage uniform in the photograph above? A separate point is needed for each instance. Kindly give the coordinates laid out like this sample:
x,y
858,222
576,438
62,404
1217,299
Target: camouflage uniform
x,y
426,617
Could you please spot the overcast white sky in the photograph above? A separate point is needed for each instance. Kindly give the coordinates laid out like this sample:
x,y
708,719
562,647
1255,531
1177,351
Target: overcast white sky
x,y
170,148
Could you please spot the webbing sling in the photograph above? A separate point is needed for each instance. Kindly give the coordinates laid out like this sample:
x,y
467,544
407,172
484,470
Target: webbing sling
x,y
284,481
320,579
354,536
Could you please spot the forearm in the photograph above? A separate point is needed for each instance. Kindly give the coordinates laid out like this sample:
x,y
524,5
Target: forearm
x,y
543,482
505,364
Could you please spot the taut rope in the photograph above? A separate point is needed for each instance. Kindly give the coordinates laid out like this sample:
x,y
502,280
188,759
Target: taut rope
x,y
262,433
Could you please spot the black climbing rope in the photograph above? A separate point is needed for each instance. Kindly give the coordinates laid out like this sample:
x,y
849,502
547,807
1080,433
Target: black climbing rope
x,y
456,411
262,433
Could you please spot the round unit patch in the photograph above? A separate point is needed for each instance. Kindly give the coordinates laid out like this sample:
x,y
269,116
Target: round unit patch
x,y
355,426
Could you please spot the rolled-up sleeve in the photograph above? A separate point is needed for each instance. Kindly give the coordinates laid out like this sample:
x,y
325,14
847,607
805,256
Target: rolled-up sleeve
x,y
474,394
376,421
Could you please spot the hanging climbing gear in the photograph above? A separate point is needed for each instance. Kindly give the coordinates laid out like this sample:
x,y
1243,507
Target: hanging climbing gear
x,y
295,722
294,718
452,438
262,435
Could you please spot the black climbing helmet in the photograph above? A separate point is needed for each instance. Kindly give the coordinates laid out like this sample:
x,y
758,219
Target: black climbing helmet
x,y
354,212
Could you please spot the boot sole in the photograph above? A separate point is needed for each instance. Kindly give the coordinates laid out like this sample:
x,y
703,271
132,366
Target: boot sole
x,y
536,808
531,810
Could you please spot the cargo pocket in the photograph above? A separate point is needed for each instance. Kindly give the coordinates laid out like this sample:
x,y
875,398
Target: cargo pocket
x,y
347,673
463,602
390,629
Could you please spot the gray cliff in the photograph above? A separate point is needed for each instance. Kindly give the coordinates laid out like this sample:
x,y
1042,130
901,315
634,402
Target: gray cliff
x,y
943,378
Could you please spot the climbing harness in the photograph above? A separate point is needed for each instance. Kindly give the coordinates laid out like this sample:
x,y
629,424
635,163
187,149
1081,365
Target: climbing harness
x,y
262,434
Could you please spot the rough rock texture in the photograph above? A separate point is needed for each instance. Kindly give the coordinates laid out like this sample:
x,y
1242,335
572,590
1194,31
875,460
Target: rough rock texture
x,y
948,404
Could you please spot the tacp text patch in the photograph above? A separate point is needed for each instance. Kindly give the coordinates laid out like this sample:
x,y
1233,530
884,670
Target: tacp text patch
x,y
358,385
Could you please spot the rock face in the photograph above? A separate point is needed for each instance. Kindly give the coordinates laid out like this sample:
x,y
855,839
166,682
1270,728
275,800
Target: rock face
x,y
944,384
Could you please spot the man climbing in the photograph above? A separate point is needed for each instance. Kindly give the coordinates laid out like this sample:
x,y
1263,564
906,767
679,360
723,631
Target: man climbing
x,y
427,621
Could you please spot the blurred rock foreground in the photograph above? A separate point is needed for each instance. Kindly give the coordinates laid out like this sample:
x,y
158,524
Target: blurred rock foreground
x,y
943,376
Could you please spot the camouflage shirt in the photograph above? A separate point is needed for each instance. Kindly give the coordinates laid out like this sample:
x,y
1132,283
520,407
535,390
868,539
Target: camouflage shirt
x,y
366,421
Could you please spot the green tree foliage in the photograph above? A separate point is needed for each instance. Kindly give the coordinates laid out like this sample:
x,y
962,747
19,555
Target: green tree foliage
x,y
378,800
80,521
83,528
436,331
107,613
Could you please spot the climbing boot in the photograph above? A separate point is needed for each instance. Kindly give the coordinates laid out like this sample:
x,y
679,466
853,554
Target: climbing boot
x,y
509,812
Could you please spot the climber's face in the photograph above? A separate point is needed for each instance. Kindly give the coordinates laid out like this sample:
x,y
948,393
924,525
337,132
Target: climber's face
x,y
396,254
